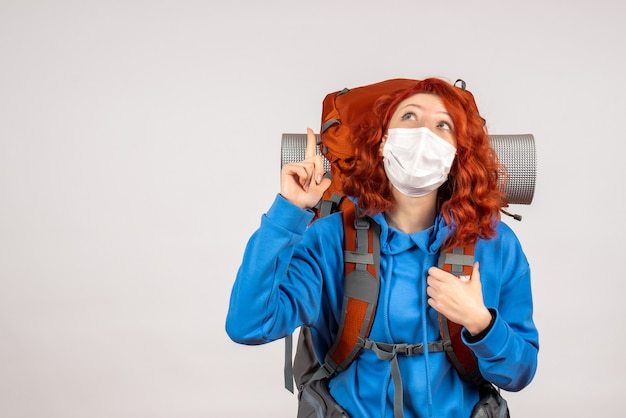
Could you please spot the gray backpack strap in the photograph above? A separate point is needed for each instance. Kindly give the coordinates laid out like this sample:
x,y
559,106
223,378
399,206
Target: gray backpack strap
x,y
328,206
362,262
361,286
288,366
459,261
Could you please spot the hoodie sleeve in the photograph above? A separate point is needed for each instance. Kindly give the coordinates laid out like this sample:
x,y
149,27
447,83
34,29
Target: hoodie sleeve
x,y
507,355
279,282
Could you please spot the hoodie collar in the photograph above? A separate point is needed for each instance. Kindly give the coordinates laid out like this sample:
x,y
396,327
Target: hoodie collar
x,y
394,241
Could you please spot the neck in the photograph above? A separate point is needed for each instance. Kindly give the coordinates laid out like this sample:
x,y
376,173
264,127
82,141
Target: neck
x,y
412,214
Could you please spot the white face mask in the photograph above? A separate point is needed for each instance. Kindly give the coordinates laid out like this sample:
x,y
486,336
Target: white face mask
x,y
416,160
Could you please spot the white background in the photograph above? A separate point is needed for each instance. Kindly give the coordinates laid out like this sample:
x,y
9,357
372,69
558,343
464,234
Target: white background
x,y
139,146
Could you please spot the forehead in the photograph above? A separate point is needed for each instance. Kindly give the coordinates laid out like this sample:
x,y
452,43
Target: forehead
x,y
426,101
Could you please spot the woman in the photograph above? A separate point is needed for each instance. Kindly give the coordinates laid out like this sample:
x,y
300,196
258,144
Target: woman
x,y
425,172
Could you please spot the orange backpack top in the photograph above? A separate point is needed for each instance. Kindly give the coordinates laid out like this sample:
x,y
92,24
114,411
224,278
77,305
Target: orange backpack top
x,y
340,112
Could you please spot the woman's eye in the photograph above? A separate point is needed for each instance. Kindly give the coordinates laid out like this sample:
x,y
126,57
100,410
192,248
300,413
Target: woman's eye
x,y
444,125
408,116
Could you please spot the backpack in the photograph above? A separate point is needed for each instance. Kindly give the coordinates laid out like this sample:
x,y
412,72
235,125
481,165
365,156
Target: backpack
x,y
361,253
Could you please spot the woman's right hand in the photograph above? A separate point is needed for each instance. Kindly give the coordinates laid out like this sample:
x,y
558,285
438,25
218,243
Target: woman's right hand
x,y
302,183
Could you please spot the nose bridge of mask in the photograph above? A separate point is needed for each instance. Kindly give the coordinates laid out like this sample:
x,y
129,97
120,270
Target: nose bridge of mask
x,y
408,135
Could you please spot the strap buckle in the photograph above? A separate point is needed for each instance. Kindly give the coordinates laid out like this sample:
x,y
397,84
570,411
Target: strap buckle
x,y
361,223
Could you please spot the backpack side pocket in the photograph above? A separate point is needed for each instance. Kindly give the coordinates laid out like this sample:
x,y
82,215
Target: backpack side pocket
x,y
317,402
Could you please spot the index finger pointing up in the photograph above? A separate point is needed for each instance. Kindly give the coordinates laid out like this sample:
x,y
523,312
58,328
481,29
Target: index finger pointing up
x,y
311,144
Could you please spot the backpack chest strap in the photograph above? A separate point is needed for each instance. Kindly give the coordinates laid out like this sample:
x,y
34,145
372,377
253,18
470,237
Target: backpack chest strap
x,y
387,351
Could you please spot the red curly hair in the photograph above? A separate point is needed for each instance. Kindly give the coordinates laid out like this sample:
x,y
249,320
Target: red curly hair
x,y
469,201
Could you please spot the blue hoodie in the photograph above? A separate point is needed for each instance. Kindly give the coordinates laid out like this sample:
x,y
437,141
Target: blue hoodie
x,y
292,275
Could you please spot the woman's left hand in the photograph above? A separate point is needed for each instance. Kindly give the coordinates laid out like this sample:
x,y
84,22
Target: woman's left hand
x,y
458,299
